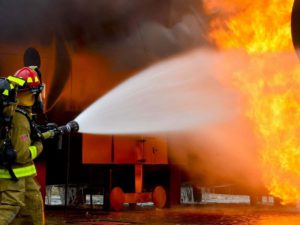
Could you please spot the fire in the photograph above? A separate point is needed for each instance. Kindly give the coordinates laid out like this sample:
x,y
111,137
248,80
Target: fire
x,y
269,83
256,26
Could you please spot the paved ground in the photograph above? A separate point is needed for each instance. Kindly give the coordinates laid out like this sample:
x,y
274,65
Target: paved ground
x,y
190,215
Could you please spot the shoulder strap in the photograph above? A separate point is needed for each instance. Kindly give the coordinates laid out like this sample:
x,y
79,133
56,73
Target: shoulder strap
x,y
34,131
22,111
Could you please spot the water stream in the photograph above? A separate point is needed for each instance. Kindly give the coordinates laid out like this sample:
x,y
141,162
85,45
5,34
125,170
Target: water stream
x,y
178,93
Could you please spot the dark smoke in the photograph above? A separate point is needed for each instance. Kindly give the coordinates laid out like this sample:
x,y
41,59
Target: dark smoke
x,y
129,32
23,21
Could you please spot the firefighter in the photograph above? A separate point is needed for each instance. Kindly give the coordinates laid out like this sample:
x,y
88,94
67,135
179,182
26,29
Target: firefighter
x,y
27,148
12,183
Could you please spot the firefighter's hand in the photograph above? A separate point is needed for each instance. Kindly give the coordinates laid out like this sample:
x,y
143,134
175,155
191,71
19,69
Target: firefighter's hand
x,y
48,134
51,133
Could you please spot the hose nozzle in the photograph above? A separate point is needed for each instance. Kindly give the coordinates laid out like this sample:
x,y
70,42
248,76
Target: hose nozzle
x,y
71,126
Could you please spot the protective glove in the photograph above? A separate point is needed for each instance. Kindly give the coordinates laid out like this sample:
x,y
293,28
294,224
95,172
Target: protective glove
x,y
52,132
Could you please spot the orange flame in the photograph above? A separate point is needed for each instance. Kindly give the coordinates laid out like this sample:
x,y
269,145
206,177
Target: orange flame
x,y
270,83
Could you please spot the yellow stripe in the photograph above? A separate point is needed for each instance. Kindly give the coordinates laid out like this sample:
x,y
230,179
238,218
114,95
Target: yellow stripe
x,y
19,172
29,80
12,86
33,151
16,80
5,92
36,79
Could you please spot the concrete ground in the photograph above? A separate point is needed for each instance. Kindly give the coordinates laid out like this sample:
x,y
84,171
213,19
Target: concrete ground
x,y
208,214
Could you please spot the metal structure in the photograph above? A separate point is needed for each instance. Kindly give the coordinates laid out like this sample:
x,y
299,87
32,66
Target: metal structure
x,y
137,153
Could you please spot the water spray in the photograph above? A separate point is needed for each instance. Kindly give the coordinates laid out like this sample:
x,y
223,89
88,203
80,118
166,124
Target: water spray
x,y
177,94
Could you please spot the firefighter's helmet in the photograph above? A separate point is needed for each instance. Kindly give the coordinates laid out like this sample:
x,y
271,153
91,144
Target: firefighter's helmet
x,y
7,92
32,79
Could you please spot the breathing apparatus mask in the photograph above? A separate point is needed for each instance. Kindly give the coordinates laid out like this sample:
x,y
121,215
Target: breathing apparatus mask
x,y
39,93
